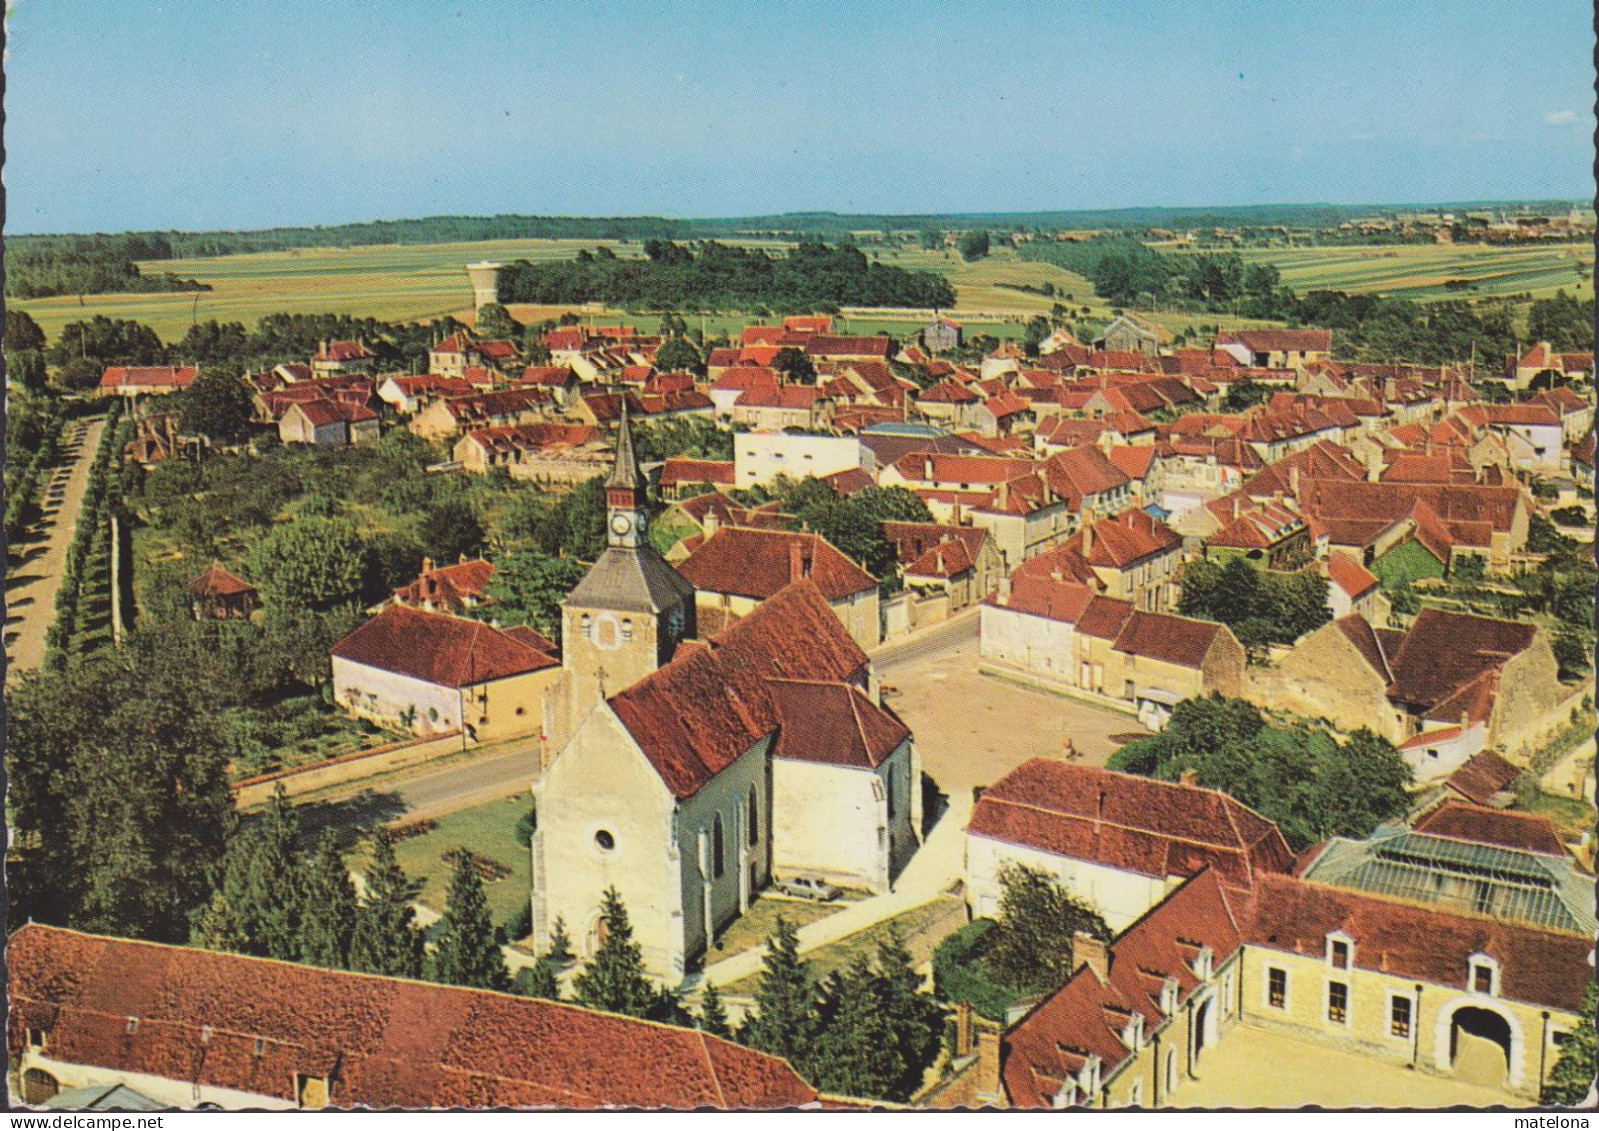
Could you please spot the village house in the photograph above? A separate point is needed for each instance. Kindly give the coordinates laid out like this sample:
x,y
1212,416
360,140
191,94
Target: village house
x,y
1542,360
827,347
145,380
1537,428
429,673
325,422
448,417
1493,679
1129,334
1352,588
452,589
928,561
87,1010
1025,515
1448,520
682,477
760,457
1118,842
1276,349
459,352
219,595
1132,557
803,407
1268,534
557,380
941,334
344,357
410,394
544,452
736,568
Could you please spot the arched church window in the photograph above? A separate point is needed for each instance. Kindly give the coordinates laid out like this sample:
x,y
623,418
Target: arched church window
x,y
754,816
717,862
586,625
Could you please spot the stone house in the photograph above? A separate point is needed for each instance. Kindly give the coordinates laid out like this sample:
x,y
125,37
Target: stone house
x,y
1276,349
942,334
1127,334
448,417
325,422
542,452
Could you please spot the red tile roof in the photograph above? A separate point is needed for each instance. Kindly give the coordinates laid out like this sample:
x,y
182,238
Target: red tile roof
x,y
678,470
833,723
1524,832
431,383
218,582
1349,575
252,1025
449,586
548,376
534,437
344,351
824,345
1078,473
119,377
324,412
1443,652
948,391
1481,776
1060,599
700,713
443,650
1127,822
1274,341
758,563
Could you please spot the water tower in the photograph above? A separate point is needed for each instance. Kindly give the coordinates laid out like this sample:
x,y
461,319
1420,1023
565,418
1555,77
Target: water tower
x,y
485,283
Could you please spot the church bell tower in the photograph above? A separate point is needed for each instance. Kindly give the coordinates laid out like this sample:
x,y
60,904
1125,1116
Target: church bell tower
x,y
631,610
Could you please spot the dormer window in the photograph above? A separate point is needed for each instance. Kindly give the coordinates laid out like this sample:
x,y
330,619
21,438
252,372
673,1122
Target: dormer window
x,y
1484,975
1340,950
1168,996
1203,962
1133,1032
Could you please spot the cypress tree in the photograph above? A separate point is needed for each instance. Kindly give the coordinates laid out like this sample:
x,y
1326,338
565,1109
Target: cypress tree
x,y
1573,1075
467,954
615,979
218,928
914,1017
386,938
784,1018
274,881
560,953
713,1014
538,980
855,1052
328,919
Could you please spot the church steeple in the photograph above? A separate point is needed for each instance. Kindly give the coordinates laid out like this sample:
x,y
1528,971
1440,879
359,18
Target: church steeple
x,y
625,506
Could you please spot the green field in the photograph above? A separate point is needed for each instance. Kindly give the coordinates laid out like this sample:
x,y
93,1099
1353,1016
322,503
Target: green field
x,y
420,281
1421,272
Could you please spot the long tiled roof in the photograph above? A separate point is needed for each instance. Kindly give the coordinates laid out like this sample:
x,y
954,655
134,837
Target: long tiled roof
x,y
1526,832
833,723
758,563
438,649
253,1025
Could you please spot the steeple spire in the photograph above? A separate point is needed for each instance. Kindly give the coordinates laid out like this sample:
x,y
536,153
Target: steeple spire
x,y
625,473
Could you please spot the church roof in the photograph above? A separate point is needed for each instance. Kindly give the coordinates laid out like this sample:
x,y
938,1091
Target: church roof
x,y
631,580
625,473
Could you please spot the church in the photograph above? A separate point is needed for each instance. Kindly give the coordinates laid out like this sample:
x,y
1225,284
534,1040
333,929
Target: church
x,y
696,769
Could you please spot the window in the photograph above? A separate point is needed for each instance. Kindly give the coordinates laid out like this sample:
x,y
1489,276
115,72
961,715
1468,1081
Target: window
x,y
1484,975
604,841
1338,1003
888,783
35,1038
1399,1016
1338,955
754,812
586,626
1276,988
717,863
627,629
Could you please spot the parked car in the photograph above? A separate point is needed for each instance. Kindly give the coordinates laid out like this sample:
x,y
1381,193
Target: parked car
x,y
808,887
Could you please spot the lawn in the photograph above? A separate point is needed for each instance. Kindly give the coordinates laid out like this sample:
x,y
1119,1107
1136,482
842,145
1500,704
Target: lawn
x,y
756,925
921,929
1571,815
488,831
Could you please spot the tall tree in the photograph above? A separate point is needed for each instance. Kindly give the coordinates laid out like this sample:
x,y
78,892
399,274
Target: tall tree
x,y
466,953
795,367
1038,919
856,1052
538,980
311,563
451,530
713,1013
495,322
216,406
677,354
327,921
528,586
915,1017
386,939
1571,1081
783,1020
614,980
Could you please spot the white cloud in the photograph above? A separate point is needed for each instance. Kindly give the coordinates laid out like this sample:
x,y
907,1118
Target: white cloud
x,y
1560,118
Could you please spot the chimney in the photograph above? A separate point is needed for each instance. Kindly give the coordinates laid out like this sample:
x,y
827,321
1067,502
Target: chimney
x,y
965,1034
1092,953
927,468
712,522
1088,538
1188,777
1004,494
1238,506
427,565
986,1080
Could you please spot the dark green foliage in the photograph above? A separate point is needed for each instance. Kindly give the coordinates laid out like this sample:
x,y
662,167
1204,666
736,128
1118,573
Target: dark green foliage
x,y
494,323
1244,395
106,341
713,1014
1031,949
465,953
528,586
314,563
117,812
451,531
692,436
974,245
212,342
783,1020
1564,321
1573,653
1300,777
679,354
386,939
22,332
813,276
795,367
85,265
327,919
960,975
560,951
216,406
614,980
538,980
1572,1078
855,525
1261,606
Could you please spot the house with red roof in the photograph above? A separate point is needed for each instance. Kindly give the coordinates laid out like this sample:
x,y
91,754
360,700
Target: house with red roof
x,y
736,568
1494,680
1419,987
929,560
682,477
1542,360
1118,842
430,673
218,594
344,357
558,380
777,407
1276,349
145,380
543,452
192,1028
447,588
461,351
407,395
448,417
1352,588
1132,557
328,422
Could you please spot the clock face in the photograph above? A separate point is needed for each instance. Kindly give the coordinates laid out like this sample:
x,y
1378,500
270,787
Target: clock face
x,y
621,524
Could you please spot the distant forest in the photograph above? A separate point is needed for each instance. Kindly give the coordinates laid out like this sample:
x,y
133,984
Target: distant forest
x,y
85,265
674,276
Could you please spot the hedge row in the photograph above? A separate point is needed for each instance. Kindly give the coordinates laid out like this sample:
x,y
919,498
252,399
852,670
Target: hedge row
x,y
100,496
958,974
22,503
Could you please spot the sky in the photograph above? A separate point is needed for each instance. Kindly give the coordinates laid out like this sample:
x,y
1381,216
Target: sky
x,y
134,114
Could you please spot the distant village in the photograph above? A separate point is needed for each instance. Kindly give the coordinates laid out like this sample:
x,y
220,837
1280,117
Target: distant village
x,y
1124,533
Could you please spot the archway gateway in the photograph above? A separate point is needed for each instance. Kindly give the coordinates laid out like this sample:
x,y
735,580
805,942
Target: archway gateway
x,y
1479,1046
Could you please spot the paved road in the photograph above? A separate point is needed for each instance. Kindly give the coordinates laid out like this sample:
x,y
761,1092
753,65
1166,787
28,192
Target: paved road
x,y
32,583
889,658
